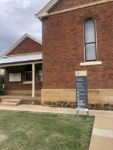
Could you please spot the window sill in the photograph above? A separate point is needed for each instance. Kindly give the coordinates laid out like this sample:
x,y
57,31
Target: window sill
x,y
91,63
27,82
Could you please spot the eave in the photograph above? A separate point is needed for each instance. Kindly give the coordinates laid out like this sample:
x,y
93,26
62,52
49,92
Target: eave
x,y
44,12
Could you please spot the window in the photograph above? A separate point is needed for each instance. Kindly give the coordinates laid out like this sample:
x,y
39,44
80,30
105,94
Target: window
x,y
90,40
39,75
15,77
28,74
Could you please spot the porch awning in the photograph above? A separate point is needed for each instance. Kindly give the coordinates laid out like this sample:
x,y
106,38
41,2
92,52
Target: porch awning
x,y
20,59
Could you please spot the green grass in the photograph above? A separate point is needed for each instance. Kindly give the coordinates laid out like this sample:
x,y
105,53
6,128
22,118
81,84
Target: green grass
x,y
34,131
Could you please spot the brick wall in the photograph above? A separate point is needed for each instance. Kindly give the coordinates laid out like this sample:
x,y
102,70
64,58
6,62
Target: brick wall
x,y
64,52
65,4
27,46
19,86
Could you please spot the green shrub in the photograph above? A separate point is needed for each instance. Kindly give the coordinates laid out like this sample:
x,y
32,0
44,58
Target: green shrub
x,y
2,92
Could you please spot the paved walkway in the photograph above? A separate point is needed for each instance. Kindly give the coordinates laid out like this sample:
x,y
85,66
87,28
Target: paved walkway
x,y
102,135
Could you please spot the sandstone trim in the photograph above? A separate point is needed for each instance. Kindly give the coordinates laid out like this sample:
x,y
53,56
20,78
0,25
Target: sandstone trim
x,y
99,99
94,95
91,63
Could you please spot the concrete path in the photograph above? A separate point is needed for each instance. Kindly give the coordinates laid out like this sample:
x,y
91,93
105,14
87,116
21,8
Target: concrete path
x,y
102,135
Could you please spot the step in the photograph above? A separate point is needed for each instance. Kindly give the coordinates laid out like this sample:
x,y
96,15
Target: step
x,y
8,104
11,100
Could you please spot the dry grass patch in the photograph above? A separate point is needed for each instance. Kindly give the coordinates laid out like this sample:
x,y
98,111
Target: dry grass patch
x,y
3,137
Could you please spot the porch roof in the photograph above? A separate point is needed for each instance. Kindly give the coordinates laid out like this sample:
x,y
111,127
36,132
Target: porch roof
x,y
20,59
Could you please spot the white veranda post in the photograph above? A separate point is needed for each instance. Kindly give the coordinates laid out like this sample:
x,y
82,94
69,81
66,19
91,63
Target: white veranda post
x,y
33,80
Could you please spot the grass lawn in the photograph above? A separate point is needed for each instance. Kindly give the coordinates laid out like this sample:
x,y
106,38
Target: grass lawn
x,y
34,131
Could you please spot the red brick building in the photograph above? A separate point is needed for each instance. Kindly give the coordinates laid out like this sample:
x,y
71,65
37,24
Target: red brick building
x,y
23,67
80,35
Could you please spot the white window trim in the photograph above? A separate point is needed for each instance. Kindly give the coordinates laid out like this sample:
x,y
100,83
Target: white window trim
x,y
91,63
95,40
27,82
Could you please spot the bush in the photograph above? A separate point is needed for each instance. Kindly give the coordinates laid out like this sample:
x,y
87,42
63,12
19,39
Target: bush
x,y
2,92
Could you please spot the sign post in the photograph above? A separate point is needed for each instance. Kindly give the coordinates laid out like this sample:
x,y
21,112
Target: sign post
x,y
81,91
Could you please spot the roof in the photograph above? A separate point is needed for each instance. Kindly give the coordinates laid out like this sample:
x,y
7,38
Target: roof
x,y
45,10
18,42
20,59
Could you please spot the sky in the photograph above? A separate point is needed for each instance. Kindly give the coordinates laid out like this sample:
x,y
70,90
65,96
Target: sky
x,y
17,17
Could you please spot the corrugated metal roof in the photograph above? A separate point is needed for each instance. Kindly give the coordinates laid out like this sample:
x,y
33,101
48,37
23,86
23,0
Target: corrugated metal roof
x,y
19,59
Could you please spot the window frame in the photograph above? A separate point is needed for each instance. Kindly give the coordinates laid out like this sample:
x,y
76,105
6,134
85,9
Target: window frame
x,y
14,73
90,42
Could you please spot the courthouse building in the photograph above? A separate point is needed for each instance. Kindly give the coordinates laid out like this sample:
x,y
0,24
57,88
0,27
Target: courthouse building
x,y
77,35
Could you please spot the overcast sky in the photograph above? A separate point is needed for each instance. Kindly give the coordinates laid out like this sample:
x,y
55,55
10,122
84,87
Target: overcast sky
x,y
17,18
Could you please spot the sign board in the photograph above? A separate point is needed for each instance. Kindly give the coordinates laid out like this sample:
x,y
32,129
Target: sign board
x,y
14,77
81,90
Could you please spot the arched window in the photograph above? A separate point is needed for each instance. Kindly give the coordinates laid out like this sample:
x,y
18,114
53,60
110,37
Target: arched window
x,y
90,40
